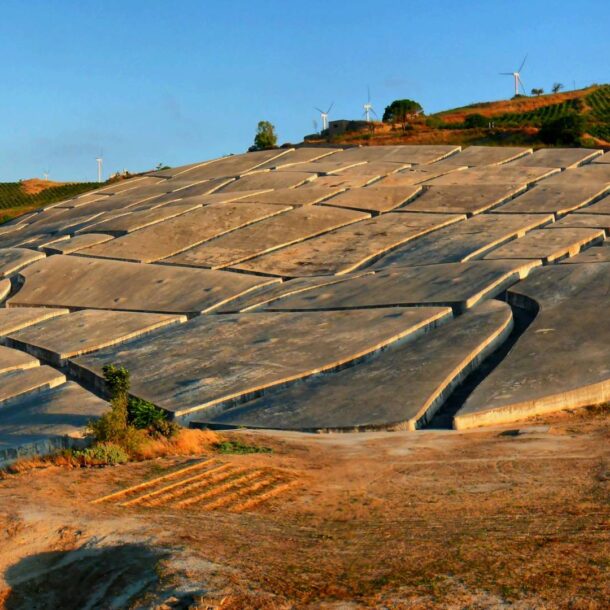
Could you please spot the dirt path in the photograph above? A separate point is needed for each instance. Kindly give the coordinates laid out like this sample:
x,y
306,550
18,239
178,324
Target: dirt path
x,y
489,519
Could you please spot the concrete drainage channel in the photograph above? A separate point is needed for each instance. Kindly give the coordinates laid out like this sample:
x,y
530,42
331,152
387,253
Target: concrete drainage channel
x,y
443,418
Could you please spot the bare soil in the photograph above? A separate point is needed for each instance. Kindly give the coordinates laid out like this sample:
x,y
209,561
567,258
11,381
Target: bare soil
x,y
499,518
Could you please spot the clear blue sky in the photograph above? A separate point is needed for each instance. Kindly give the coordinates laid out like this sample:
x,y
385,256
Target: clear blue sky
x,y
150,81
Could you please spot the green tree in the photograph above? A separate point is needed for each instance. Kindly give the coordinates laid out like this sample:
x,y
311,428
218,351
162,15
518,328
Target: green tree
x,y
265,136
474,121
537,91
566,130
557,87
400,111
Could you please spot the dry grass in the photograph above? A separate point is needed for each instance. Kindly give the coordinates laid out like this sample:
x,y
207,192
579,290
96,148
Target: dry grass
x,y
33,186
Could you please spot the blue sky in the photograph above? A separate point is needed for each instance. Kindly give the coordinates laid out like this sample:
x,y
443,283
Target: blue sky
x,y
174,82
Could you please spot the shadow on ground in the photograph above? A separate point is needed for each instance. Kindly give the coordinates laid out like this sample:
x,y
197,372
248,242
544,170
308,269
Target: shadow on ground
x,y
88,577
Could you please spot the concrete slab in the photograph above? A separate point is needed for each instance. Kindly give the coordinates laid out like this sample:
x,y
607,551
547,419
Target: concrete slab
x,y
605,158
265,236
339,182
346,249
266,294
456,285
375,199
14,319
548,245
501,174
462,199
18,383
77,202
469,240
409,153
89,283
373,168
322,167
5,289
122,186
593,221
6,229
217,361
232,165
598,173
172,236
477,156
298,155
600,207
14,360
548,199
128,223
76,243
47,421
563,158
56,222
561,360
13,259
275,179
399,389
82,332
418,175
197,189
294,197
597,254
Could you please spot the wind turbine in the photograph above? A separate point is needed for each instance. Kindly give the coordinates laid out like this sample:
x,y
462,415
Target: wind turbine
x,y
99,168
517,76
324,116
46,175
368,107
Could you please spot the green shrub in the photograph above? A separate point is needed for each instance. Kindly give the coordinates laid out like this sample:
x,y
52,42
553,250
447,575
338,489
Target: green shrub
x,y
475,121
566,130
240,448
144,415
102,454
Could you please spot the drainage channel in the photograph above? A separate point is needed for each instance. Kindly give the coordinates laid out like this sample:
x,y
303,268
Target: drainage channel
x,y
443,418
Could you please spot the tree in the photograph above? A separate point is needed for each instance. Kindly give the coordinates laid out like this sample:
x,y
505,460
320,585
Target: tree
x,y
474,121
557,87
399,111
566,130
537,91
265,136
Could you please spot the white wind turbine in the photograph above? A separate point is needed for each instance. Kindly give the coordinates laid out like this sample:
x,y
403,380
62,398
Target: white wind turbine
x,y
517,76
368,107
324,116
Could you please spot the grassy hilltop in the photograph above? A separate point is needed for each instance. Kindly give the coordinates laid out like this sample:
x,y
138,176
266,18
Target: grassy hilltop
x,y
507,122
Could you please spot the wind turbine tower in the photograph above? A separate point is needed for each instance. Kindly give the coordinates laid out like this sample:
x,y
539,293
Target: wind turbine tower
x,y
100,161
517,76
368,107
324,116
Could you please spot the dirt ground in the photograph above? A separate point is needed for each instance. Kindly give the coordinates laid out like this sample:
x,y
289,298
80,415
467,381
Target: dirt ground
x,y
500,518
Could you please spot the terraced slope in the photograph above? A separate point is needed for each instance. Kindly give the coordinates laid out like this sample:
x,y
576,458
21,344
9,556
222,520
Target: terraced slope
x,y
311,289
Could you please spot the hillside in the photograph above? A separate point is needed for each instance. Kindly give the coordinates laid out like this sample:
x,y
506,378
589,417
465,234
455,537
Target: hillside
x,y
16,198
509,122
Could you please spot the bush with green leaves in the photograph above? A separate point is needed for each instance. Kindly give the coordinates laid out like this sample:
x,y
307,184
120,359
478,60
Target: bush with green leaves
x,y
564,131
101,454
265,137
146,416
475,121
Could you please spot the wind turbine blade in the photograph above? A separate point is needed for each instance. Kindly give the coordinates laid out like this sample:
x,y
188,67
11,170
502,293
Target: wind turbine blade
x,y
374,113
330,107
522,64
522,85
506,73
320,111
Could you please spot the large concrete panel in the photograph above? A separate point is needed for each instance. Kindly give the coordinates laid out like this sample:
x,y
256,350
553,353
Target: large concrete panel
x,y
605,158
14,360
324,166
89,283
561,360
418,175
13,259
600,207
215,361
265,236
16,318
346,249
558,199
597,254
63,337
372,168
76,243
339,182
294,197
563,158
456,285
415,154
462,199
18,383
598,173
298,155
401,388
375,199
469,240
477,156
5,289
548,245
46,421
593,221
502,174
275,179
175,235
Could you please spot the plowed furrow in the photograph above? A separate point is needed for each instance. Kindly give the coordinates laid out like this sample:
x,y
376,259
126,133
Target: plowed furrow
x,y
227,487
241,493
153,482
177,487
263,494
